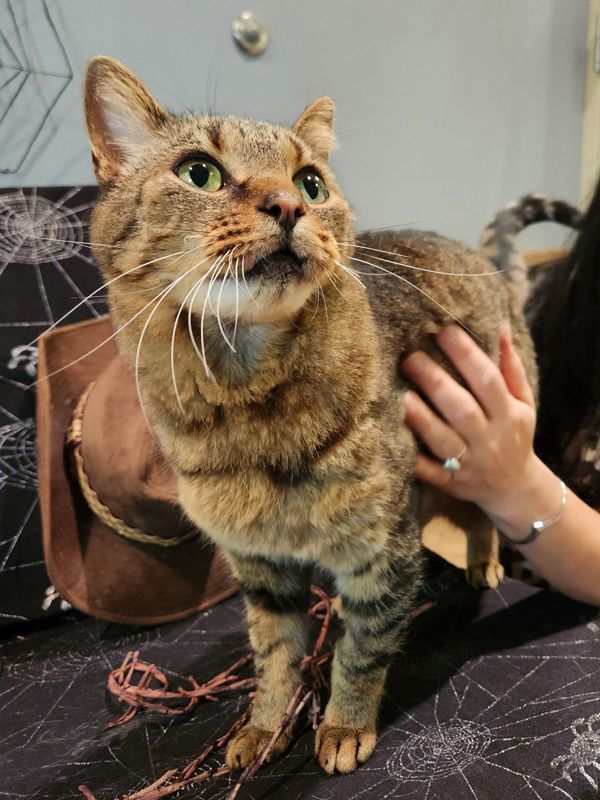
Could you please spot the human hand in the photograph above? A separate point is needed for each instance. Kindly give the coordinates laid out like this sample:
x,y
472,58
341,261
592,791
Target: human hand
x,y
491,422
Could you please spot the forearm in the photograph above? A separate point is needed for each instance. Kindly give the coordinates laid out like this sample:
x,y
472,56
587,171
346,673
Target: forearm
x,y
567,554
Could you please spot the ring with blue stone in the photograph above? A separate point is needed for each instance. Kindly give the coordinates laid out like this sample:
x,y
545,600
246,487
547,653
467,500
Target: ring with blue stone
x,y
453,464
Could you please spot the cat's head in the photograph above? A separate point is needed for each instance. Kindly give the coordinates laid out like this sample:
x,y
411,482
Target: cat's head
x,y
240,217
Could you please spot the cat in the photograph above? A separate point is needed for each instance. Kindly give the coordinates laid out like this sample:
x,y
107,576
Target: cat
x,y
267,359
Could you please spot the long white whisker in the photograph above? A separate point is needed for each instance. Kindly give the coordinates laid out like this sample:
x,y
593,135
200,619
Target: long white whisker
x,y
160,299
425,269
324,300
422,291
102,343
246,283
237,300
174,333
353,274
89,245
219,323
108,283
202,353
398,244
333,280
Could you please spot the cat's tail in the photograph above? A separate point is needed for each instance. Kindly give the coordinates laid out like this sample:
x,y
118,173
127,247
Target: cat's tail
x,y
499,239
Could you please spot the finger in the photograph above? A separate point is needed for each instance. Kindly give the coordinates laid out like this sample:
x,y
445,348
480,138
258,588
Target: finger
x,y
513,369
430,471
477,368
437,435
456,404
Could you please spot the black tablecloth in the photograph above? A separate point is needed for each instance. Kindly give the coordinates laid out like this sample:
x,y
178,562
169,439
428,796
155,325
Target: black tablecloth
x,y
497,696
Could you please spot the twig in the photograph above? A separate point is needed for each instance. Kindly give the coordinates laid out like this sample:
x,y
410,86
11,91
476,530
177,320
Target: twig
x,y
153,691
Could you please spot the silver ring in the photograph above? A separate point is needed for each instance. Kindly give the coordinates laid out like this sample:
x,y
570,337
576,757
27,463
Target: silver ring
x,y
453,464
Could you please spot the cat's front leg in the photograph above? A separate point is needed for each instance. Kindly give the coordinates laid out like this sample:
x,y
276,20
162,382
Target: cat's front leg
x,y
375,601
276,596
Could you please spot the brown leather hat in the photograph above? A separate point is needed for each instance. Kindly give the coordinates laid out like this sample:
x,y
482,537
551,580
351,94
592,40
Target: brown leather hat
x,y
116,542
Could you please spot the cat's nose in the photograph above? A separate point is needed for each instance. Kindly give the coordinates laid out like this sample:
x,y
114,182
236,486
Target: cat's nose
x,y
285,207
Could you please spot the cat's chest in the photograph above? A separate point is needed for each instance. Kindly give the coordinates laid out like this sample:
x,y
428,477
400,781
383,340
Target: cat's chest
x,y
255,513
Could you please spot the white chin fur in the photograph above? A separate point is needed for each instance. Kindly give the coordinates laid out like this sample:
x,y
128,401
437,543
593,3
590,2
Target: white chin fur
x,y
254,304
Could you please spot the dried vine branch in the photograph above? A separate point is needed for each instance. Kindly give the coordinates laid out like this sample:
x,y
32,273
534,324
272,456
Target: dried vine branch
x,y
145,686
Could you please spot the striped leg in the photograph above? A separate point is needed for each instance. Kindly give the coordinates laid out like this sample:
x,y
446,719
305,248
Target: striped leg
x,y
276,596
375,602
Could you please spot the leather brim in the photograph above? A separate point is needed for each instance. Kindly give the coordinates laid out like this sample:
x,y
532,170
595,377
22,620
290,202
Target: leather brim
x,y
92,567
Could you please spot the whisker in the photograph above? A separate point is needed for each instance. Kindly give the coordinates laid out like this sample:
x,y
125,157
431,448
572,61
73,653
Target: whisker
x,y
202,353
174,333
160,299
333,280
108,283
89,245
352,273
422,291
324,301
398,244
435,271
219,323
246,283
317,303
105,341
237,300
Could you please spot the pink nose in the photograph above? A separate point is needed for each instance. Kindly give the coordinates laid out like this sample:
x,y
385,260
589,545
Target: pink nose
x,y
285,207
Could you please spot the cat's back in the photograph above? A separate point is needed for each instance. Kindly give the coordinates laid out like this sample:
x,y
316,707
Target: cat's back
x,y
419,281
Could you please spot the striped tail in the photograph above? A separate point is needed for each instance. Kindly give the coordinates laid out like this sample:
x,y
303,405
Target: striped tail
x,y
499,239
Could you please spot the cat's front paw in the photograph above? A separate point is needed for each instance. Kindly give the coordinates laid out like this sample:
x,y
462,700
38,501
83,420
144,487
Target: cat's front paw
x,y
487,574
249,742
343,749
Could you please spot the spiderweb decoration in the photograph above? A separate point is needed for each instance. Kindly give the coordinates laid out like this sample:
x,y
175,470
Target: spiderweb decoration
x,y
33,230
34,74
41,233
17,455
45,270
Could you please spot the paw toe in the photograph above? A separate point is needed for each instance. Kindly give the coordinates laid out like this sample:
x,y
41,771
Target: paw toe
x,y
343,749
483,575
249,743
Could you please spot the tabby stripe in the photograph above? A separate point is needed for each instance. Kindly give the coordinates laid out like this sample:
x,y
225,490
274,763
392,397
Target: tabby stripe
x,y
356,668
278,603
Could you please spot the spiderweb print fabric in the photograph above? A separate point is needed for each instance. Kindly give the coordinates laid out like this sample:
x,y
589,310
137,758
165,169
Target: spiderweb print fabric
x,y
46,268
496,696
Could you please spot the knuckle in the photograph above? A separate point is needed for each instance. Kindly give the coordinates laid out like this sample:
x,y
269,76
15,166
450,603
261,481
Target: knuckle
x,y
468,413
490,378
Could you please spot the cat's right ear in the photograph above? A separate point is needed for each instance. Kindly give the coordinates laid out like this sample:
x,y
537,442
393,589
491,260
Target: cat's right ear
x,y
120,114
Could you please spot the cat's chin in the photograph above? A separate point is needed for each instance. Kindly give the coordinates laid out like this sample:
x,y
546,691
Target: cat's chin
x,y
259,301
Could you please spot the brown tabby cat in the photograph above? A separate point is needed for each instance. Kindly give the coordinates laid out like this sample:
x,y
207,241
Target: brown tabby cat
x,y
270,376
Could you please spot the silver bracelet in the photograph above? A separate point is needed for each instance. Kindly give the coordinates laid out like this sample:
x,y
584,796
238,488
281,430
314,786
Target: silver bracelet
x,y
543,524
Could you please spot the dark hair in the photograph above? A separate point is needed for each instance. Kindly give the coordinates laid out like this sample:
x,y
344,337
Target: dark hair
x,y
563,313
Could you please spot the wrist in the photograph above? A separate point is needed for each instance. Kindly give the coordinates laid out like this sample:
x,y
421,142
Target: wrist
x,y
536,496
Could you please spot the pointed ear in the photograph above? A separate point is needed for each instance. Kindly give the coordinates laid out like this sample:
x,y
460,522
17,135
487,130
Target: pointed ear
x,y
120,115
315,126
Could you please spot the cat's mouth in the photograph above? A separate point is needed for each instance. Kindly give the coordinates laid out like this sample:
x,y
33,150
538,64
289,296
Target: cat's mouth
x,y
283,263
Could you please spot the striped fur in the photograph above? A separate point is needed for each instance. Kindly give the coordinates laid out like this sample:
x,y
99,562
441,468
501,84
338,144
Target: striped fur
x,y
499,238
291,451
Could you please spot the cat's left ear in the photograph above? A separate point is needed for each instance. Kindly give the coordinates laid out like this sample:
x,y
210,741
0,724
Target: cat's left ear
x,y
315,126
120,113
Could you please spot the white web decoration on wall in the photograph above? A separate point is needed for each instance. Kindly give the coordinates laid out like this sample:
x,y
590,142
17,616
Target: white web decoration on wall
x,y
42,233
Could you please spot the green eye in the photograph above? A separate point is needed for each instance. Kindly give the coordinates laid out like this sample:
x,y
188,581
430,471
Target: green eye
x,y
201,173
311,186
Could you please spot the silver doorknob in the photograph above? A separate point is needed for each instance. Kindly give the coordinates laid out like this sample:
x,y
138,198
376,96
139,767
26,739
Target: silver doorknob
x,y
251,33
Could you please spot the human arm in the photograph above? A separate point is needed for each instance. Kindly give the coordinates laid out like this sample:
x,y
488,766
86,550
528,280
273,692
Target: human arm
x,y
494,420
